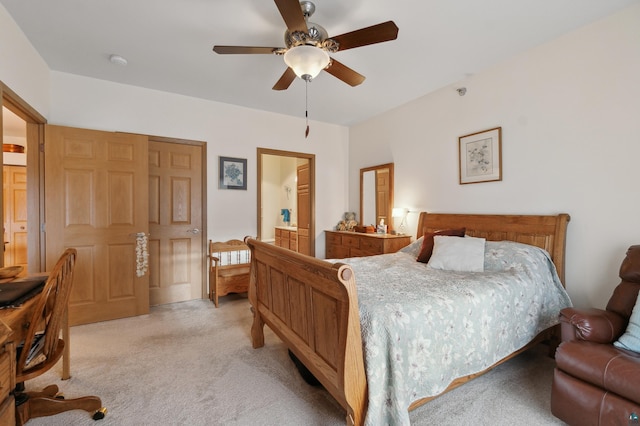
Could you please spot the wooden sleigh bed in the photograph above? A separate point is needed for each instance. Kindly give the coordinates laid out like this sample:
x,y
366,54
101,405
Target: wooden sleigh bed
x,y
312,304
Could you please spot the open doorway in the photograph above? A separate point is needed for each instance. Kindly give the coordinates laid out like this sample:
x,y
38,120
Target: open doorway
x,y
21,130
14,187
286,199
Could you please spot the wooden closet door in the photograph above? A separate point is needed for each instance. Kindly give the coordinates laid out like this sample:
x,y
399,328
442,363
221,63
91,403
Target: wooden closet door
x,y
96,200
175,222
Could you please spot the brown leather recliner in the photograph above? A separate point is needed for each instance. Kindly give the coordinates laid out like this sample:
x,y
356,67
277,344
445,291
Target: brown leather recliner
x,y
596,383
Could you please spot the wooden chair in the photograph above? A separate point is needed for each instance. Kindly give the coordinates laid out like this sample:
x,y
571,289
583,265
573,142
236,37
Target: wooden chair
x,y
43,347
229,265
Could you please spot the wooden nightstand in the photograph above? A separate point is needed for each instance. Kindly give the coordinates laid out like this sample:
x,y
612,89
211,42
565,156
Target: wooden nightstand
x,y
341,244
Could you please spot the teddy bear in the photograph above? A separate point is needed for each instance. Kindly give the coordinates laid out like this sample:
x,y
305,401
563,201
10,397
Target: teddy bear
x,y
348,223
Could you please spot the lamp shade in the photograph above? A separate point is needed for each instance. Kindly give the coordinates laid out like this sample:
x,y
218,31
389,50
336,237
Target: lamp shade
x,y
399,212
306,61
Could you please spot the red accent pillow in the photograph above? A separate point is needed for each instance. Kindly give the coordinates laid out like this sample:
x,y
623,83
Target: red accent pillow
x,y
427,245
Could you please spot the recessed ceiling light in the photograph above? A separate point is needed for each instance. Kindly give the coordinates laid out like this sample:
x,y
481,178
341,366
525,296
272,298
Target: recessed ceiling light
x,y
118,60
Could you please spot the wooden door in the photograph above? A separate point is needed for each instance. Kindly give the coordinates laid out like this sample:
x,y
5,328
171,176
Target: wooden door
x,y
304,209
15,215
96,198
175,222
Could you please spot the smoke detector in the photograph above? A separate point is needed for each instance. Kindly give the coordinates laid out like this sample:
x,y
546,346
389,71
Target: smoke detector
x,y
118,60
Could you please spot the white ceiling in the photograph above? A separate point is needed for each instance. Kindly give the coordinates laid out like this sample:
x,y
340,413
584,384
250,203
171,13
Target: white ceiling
x,y
168,45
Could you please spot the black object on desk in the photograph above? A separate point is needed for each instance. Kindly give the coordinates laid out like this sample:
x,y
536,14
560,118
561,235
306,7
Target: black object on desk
x,y
14,293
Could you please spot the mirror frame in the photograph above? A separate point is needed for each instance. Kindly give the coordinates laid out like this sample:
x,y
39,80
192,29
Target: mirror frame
x,y
388,166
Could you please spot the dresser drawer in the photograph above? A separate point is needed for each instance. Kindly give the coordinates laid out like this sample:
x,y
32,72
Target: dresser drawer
x,y
337,252
341,244
372,245
333,239
360,253
351,241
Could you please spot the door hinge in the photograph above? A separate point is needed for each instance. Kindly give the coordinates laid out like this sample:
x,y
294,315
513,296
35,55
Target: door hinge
x,y
41,147
43,227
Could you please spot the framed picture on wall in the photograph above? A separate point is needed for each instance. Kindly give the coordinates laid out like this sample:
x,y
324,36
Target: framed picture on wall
x,y
480,156
233,173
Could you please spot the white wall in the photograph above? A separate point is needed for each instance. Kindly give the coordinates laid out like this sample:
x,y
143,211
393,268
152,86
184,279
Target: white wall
x,y
14,158
229,131
570,115
288,200
21,67
270,191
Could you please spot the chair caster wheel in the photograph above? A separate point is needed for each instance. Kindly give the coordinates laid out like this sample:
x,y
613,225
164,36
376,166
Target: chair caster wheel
x,y
21,398
98,415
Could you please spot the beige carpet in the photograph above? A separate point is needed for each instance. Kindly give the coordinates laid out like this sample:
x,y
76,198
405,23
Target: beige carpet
x,y
191,364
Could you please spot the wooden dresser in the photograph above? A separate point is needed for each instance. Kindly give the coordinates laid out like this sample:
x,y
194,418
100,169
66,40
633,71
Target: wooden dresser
x,y
341,244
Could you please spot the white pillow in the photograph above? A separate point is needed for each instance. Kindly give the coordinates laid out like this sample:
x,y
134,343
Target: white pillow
x,y
630,340
457,254
414,248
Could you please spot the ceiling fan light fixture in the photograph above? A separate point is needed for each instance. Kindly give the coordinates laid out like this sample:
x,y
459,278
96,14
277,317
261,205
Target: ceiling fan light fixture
x,y
306,61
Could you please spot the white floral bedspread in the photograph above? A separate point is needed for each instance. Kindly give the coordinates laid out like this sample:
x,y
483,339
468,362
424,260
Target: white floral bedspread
x,y
422,327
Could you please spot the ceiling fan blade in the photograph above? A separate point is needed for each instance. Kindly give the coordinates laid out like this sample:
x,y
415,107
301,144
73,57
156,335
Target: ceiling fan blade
x,y
344,73
385,31
286,80
292,14
232,50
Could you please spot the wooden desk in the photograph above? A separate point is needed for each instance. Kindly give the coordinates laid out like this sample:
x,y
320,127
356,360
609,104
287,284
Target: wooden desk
x,y
17,319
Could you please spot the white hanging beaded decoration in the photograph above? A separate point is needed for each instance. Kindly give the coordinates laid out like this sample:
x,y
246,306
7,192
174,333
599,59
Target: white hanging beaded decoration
x,y
142,255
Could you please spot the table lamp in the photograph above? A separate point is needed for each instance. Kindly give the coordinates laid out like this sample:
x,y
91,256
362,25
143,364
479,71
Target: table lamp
x,y
400,212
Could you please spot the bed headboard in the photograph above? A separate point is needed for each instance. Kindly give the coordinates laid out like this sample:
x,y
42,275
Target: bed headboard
x,y
547,232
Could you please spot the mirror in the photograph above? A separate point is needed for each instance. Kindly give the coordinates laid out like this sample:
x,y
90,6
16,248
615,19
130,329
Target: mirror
x,y
376,195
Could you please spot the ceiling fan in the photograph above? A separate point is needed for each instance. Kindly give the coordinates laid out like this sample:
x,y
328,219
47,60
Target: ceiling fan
x,y
308,45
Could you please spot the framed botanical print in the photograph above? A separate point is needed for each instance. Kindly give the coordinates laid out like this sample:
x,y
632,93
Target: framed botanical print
x,y
233,173
480,156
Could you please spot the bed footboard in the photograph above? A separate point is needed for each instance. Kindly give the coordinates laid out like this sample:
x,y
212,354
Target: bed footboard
x,y
312,305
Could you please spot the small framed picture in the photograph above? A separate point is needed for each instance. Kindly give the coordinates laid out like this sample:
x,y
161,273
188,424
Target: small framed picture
x,y
481,156
233,173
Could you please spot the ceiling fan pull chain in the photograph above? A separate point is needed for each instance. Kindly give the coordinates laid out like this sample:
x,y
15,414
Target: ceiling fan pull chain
x,y
306,111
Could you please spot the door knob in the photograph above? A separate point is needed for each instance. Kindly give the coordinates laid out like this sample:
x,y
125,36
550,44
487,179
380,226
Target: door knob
x,y
194,231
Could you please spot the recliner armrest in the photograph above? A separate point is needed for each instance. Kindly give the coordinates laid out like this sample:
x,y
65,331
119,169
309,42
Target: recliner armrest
x,y
593,325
